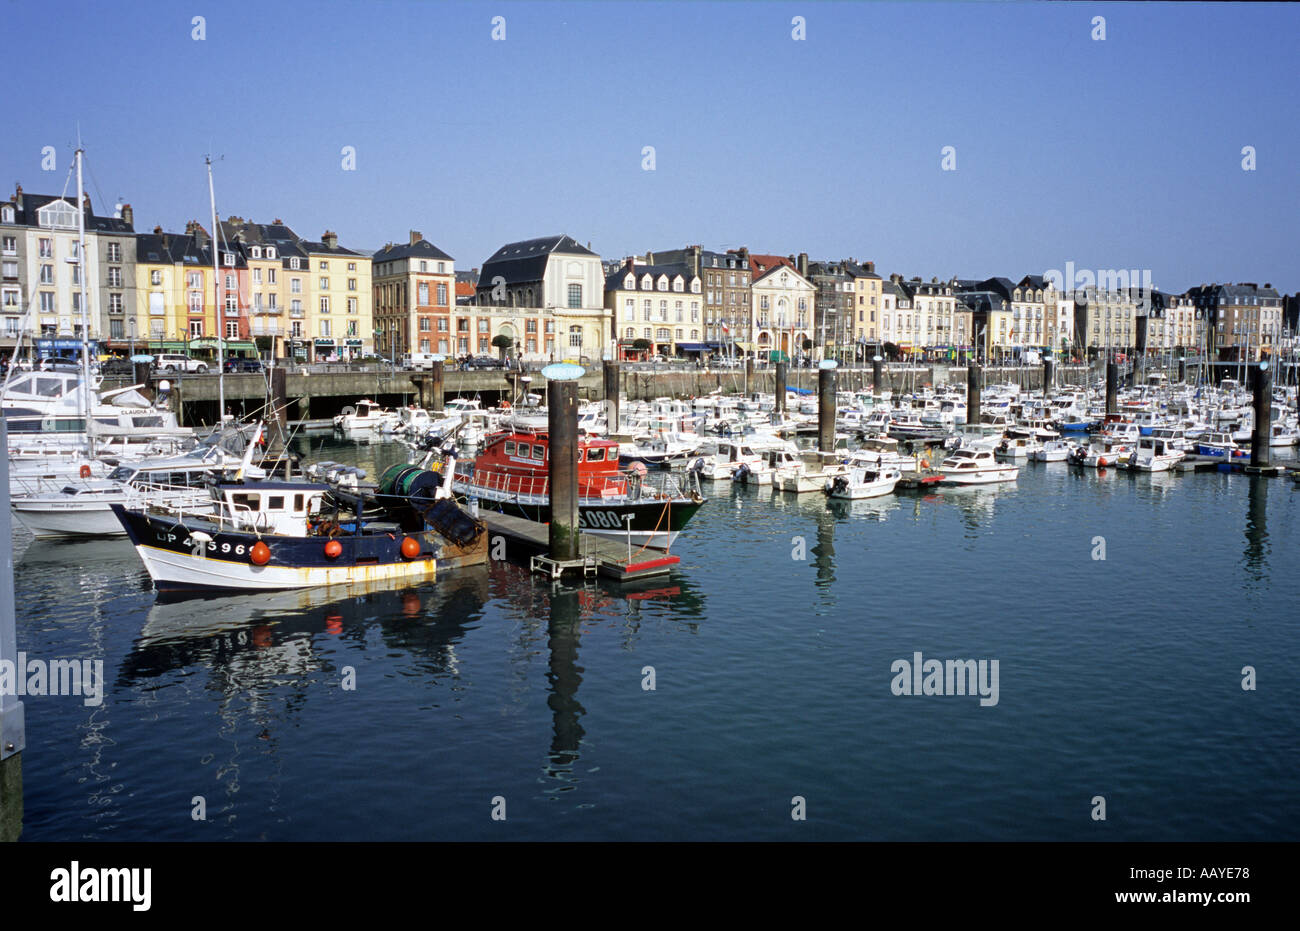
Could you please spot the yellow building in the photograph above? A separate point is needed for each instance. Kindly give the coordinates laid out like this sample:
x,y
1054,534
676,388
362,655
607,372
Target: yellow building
x,y
174,293
864,327
339,317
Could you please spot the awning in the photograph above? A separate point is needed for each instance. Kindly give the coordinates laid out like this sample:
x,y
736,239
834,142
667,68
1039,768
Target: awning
x,y
744,347
240,345
693,347
166,345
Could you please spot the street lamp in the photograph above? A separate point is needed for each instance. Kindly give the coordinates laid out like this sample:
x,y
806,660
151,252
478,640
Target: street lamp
x,y
131,326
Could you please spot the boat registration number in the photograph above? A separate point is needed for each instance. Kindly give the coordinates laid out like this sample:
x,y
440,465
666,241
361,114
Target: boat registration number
x,y
604,519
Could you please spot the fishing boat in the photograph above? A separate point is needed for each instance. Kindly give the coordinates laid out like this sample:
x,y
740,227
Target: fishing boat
x,y
511,475
976,467
271,535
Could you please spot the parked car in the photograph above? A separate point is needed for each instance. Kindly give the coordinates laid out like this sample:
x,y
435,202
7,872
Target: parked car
x,y
484,362
118,365
54,364
175,362
241,364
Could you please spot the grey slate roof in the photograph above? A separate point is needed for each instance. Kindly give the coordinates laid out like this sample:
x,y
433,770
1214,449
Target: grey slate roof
x,y
524,261
419,250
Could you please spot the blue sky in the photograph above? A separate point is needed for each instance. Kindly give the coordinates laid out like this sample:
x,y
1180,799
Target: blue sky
x,y
1123,153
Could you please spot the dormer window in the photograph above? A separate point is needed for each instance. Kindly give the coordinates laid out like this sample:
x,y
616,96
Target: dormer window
x,y
256,252
7,214
229,258
270,252
630,282
57,214
293,263
647,283
677,284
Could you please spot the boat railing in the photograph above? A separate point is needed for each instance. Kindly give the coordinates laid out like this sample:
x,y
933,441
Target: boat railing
x,y
633,484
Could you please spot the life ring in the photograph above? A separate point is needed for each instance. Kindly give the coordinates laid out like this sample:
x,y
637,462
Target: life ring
x,y
84,471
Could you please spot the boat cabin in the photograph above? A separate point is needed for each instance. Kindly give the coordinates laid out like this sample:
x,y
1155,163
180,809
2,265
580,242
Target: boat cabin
x,y
270,507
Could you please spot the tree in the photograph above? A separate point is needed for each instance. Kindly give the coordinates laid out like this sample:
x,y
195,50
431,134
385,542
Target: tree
x,y
641,345
503,343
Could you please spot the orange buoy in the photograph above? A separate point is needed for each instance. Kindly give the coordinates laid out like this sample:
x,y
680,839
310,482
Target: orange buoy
x,y
410,547
260,554
1101,463
925,463
85,470
333,549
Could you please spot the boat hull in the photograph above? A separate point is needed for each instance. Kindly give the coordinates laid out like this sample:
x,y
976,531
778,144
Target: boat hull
x,y
179,561
653,524
46,520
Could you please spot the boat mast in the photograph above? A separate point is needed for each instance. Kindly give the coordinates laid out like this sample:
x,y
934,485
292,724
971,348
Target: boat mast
x,y
84,395
221,328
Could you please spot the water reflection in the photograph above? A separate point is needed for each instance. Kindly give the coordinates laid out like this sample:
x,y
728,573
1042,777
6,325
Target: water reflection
x,y
975,504
1257,547
564,675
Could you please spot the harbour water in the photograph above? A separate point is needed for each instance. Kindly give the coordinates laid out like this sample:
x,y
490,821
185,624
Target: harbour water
x,y
420,713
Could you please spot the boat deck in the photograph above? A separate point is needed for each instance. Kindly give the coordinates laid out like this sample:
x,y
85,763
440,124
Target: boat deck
x,y
527,537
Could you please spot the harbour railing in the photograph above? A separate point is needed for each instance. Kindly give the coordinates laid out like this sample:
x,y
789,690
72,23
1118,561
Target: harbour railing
x,y
633,485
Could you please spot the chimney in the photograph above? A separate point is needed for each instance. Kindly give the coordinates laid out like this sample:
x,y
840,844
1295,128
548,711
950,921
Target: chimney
x,y
649,258
128,215
18,196
330,239
871,267
803,264
630,263
277,222
85,203
157,230
416,236
695,260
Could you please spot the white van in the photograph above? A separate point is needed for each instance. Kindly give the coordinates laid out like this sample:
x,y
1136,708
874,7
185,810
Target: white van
x,y
418,360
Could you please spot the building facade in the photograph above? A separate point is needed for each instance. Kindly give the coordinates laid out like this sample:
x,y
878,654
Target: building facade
x,y
548,293
414,288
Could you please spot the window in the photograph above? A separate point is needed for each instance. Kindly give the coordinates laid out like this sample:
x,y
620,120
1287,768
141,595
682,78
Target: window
x,y
229,259
575,295
47,274
483,325
46,248
270,276
115,303
196,328
575,337
324,266
232,329
325,304
424,266
523,449
352,305
539,451
8,214
324,284
352,284
10,299
352,266
442,293
423,293
294,263
442,268
10,270
442,325
230,282
325,328
295,285
425,325
10,245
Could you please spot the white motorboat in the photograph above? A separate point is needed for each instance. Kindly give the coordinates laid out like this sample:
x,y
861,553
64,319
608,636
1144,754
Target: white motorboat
x,y
976,467
862,482
83,507
1154,455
